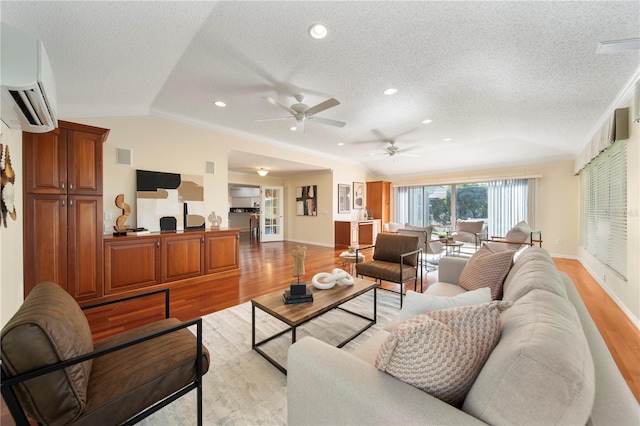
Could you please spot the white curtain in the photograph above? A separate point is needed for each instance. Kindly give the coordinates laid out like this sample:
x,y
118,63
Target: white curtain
x,y
410,205
508,204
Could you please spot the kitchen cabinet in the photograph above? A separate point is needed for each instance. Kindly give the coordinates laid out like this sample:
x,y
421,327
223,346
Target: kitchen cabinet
x,y
379,199
362,232
63,209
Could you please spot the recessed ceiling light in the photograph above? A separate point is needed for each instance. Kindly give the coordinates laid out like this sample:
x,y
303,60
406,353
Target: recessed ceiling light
x,y
340,143
427,121
447,139
318,31
293,129
220,104
391,91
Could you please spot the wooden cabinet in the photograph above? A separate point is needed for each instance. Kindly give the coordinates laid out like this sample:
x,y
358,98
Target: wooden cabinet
x,y
222,251
136,262
63,209
349,233
379,199
130,264
182,256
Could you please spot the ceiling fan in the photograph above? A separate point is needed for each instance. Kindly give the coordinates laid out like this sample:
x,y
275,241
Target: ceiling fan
x,y
302,112
392,150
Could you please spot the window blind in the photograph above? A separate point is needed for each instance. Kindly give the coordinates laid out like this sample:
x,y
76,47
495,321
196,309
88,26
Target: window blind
x,y
603,209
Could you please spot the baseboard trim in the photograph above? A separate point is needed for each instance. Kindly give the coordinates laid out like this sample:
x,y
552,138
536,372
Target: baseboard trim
x,y
612,295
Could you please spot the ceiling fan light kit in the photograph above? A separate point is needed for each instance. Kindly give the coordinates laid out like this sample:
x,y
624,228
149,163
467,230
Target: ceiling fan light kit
x,y
318,31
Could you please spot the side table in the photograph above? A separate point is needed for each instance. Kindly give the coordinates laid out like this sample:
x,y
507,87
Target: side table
x,y
350,258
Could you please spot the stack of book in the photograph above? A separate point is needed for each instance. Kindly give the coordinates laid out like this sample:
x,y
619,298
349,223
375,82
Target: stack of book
x,y
297,298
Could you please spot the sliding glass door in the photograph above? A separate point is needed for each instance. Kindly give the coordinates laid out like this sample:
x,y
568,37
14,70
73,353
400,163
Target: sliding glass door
x,y
501,204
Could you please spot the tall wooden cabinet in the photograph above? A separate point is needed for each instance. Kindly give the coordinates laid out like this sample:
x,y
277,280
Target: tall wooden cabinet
x,y
379,199
63,209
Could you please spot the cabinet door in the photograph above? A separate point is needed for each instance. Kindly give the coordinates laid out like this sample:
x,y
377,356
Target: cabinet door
x,y
131,264
45,162
222,252
84,162
182,256
355,234
84,237
45,240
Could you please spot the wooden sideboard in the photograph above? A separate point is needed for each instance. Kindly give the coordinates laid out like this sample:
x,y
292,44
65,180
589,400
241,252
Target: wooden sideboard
x,y
161,258
361,232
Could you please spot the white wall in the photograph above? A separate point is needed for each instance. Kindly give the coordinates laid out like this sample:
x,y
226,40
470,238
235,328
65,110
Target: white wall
x,y
11,266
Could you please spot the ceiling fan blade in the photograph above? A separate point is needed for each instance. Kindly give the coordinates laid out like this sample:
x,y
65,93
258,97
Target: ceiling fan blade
x,y
275,102
273,119
321,106
335,123
380,135
411,148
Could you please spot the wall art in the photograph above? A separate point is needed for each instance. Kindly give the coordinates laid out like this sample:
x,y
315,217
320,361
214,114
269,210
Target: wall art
x,y
307,200
7,186
358,195
344,198
169,201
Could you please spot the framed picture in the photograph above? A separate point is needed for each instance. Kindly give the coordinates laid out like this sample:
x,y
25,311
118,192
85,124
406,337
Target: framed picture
x,y
344,198
358,195
307,200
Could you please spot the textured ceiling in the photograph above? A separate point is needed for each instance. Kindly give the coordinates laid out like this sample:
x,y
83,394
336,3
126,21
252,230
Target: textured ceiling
x,y
508,82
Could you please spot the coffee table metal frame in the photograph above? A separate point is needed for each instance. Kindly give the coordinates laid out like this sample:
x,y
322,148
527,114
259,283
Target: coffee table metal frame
x,y
312,310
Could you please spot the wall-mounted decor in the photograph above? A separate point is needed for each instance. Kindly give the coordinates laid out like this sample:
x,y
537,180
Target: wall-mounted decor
x,y
344,198
307,200
7,186
358,195
169,198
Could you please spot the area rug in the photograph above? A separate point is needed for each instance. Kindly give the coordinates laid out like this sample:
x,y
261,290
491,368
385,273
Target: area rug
x,y
243,388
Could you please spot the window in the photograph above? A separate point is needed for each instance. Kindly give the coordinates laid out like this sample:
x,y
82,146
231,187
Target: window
x,y
603,199
501,204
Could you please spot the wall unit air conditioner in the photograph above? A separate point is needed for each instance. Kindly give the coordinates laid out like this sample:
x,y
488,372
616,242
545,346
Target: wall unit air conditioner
x,y
27,84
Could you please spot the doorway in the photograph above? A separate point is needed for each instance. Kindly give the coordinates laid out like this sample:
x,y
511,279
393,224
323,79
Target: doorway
x,y
271,215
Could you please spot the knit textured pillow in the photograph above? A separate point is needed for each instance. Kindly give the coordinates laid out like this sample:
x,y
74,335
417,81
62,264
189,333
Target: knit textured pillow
x,y
486,268
442,352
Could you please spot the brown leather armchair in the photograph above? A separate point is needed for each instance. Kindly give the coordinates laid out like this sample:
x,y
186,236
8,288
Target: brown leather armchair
x,y
54,373
395,259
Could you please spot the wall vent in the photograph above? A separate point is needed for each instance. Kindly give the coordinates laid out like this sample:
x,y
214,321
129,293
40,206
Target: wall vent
x,y
211,168
123,156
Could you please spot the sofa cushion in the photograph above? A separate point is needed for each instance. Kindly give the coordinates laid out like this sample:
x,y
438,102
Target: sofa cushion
x,y
520,232
49,327
419,303
533,269
541,370
472,226
442,352
486,269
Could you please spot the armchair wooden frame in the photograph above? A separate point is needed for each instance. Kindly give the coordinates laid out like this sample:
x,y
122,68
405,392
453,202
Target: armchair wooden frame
x,y
531,241
18,413
401,262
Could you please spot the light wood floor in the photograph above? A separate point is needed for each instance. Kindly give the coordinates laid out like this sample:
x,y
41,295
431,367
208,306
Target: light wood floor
x,y
268,266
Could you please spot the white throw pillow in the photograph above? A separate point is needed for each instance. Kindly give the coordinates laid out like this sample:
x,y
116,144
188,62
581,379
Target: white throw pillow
x,y
419,303
442,352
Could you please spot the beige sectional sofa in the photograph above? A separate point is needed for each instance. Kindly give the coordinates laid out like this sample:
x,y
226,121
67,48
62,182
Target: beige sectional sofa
x,y
550,366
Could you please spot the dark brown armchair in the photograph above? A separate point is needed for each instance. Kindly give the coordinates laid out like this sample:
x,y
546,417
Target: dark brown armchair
x,y
395,259
53,373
